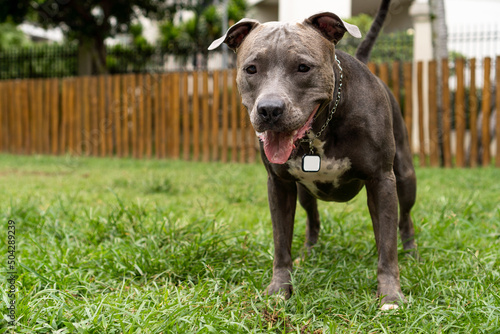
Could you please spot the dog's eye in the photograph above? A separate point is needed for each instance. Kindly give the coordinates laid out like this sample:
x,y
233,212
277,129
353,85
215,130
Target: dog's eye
x,y
251,69
304,68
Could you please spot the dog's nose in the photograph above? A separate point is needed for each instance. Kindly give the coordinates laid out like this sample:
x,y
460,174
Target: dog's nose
x,y
270,110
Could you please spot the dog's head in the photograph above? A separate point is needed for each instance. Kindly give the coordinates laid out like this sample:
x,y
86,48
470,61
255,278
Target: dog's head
x,y
285,75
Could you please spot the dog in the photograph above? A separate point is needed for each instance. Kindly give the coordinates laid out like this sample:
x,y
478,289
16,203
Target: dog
x,y
328,127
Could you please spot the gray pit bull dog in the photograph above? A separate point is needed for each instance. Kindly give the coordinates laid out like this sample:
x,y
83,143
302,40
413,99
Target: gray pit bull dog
x,y
327,128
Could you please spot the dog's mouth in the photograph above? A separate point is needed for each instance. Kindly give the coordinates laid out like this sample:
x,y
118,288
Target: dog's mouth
x,y
278,146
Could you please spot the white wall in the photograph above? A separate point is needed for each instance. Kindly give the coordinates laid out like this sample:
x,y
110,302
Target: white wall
x,y
473,17
298,10
470,12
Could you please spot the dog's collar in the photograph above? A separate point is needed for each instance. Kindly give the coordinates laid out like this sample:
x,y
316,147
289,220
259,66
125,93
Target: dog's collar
x,y
310,139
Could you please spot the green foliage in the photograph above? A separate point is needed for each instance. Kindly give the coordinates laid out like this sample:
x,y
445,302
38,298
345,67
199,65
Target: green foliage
x,y
92,18
39,61
147,246
193,36
11,36
362,21
88,22
52,60
388,47
131,58
236,10
139,42
128,59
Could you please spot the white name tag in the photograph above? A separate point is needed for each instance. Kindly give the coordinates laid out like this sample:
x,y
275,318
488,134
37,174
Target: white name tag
x,y
311,163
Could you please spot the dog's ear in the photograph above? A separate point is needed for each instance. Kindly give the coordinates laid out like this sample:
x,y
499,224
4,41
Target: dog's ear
x,y
235,35
332,27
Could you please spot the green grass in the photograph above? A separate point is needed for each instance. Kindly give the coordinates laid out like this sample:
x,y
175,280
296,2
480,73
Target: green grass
x,y
127,246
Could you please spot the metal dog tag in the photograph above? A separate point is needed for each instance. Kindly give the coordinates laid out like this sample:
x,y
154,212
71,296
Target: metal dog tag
x,y
311,163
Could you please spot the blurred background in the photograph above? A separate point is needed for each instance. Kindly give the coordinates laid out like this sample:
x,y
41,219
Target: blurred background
x,y
55,38
135,76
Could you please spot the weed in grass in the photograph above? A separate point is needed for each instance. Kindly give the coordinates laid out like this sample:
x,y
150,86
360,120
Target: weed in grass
x,y
159,184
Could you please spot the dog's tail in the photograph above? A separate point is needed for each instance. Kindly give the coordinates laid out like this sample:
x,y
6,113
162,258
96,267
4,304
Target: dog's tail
x,y
364,49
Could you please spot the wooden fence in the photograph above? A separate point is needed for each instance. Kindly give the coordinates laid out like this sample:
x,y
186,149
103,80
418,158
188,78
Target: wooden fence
x,y
198,115
193,116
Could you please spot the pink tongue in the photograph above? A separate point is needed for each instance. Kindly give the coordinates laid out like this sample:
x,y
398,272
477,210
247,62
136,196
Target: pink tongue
x,y
277,146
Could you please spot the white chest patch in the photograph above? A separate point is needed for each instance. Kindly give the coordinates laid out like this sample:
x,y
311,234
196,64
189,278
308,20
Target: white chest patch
x,y
330,172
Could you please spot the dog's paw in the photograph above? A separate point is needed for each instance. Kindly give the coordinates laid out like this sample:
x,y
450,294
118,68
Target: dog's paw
x,y
283,290
391,298
387,307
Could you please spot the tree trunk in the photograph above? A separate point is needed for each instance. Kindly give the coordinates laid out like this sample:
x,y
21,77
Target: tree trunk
x,y
100,56
440,29
91,56
84,57
440,44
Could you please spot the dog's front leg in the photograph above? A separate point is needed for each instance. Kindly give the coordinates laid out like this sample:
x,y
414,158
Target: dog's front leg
x,y
383,206
282,196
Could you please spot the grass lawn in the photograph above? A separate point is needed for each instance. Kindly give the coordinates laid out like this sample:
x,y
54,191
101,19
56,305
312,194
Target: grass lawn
x,y
127,246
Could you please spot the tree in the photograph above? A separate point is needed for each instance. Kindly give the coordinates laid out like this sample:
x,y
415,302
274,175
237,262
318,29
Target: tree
x,y
190,38
440,46
89,22
440,29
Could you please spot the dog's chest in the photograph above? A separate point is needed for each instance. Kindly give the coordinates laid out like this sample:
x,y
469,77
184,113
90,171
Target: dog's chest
x,y
329,175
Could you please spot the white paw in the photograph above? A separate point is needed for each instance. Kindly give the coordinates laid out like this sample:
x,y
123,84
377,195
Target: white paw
x,y
387,307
